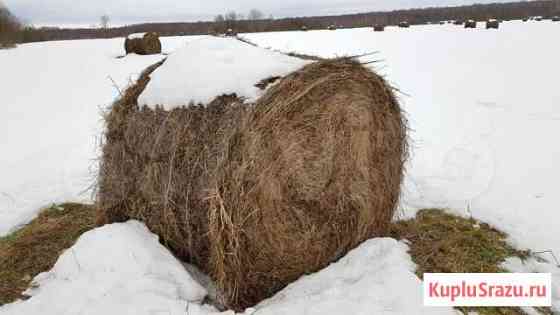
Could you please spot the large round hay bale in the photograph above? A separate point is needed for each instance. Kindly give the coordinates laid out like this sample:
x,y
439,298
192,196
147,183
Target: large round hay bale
x,y
404,24
470,24
378,28
260,194
143,44
495,24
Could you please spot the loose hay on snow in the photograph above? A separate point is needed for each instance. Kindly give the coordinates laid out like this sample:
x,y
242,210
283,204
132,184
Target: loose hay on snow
x,y
260,194
149,44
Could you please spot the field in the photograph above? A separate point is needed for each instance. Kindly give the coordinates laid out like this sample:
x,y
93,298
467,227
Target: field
x,y
483,114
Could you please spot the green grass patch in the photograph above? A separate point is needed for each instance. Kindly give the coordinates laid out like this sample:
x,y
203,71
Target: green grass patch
x,y
36,247
443,243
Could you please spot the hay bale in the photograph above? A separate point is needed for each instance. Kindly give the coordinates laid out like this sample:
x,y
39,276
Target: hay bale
x,y
404,24
378,28
260,194
556,19
492,24
143,44
304,28
458,22
331,27
470,24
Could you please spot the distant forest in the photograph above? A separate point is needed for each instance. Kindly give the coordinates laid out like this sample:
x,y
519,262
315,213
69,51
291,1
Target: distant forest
x,y
255,22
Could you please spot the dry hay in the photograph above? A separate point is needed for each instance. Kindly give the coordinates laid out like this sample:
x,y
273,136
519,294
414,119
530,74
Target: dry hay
x,y
404,24
149,44
470,24
378,28
492,24
257,195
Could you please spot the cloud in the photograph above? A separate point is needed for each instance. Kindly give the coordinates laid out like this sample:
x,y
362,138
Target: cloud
x,y
135,11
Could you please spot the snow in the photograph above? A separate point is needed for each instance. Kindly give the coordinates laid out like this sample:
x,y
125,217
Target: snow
x,y
213,66
515,264
136,36
122,269
483,108
372,279
116,269
52,96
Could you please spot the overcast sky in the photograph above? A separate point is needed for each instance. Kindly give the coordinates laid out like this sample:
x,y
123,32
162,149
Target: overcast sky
x,y
87,12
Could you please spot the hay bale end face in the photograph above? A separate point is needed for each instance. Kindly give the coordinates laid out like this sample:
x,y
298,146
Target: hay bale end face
x,y
143,44
260,194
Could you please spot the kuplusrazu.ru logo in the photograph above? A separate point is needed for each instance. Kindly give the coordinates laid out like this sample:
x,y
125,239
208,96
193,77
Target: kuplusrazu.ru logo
x,y
484,289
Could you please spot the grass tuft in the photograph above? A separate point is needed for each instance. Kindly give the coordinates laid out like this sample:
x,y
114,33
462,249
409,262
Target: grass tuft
x,y
36,247
443,243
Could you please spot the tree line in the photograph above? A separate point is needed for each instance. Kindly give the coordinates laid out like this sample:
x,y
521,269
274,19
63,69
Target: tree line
x,y
256,21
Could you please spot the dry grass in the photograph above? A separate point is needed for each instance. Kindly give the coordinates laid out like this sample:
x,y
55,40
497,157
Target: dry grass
x,y
258,194
36,247
443,243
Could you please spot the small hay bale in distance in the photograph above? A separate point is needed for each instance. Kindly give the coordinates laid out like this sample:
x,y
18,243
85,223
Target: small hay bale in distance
x,y
492,24
555,19
470,24
458,22
404,24
230,33
331,27
259,194
143,44
304,28
378,28
538,18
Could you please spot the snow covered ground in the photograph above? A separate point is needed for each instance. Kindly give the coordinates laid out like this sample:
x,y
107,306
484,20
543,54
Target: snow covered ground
x,y
482,105
122,269
52,96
